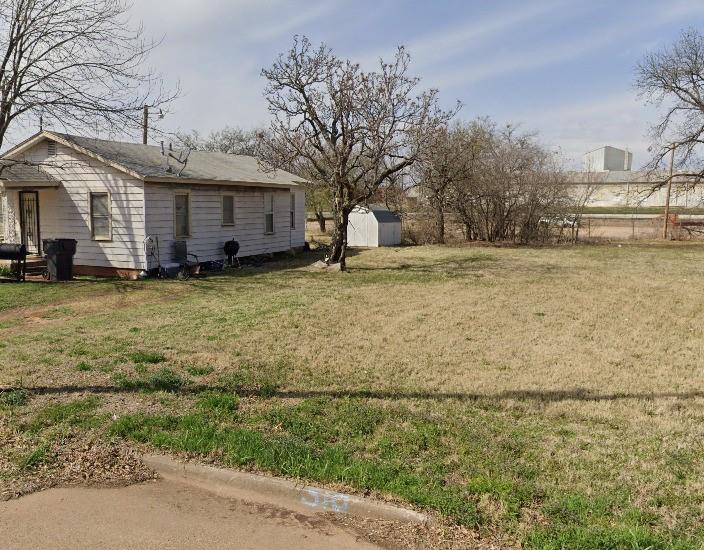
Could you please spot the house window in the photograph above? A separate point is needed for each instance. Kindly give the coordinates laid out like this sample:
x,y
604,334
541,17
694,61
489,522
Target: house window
x,y
100,216
293,210
228,210
268,212
182,215
51,148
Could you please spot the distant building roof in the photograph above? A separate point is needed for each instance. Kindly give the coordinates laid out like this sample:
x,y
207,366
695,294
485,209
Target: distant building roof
x,y
147,162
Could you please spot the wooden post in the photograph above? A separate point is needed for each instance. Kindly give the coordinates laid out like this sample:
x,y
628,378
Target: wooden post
x,y
145,124
669,192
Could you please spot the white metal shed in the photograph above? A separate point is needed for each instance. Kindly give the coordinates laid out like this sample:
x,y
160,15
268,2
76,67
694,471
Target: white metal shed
x,y
372,227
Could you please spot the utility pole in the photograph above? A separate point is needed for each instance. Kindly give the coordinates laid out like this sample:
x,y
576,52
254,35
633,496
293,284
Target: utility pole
x,y
669,192
145,124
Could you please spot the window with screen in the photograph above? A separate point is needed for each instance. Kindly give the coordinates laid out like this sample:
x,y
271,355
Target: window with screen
x,y
268,212
293,210
100,216
182,215
228,210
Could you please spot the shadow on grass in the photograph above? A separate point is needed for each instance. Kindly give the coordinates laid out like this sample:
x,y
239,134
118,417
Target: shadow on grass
x,y
547,396
470,263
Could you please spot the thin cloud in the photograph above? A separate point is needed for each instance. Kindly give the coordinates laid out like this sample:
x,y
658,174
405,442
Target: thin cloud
x,y
521,59
443,44
454,40
290,25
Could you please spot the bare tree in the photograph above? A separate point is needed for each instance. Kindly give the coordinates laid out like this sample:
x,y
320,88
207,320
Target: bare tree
x,y
673,79
318,200
76,63
476,140
511,184
344,128
585,185
234,141
444,162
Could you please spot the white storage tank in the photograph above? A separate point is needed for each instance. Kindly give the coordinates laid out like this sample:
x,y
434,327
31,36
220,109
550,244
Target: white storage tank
x,y
373,226
608,159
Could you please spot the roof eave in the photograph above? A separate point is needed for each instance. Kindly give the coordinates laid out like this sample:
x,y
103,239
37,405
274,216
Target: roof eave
x,y
45,134
177,180
35,184
23,146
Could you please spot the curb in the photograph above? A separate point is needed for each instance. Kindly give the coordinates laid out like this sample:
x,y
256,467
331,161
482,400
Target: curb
x,y
258,487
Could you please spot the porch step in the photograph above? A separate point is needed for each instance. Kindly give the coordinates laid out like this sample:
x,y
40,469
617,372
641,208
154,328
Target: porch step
x,y
35,265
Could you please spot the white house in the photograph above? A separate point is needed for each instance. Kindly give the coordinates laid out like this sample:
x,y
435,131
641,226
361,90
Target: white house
x,y
373,226
110,196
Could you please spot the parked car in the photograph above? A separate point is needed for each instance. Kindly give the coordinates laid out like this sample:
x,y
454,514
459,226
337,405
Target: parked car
x,y
568,221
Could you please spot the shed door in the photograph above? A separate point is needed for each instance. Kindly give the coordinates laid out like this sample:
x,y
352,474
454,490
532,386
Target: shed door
x,y
29,221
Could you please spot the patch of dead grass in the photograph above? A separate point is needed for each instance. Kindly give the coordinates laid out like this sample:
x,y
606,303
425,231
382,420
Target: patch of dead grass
x,y
595,350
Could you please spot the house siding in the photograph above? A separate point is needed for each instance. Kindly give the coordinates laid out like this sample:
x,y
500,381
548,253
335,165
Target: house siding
x,y
65,212
140,209
208,235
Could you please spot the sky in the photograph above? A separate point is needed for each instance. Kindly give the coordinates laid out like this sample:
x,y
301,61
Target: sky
x,y
563,68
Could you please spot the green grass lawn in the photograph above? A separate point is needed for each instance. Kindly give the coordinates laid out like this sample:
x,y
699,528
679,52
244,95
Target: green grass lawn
x,y
549,397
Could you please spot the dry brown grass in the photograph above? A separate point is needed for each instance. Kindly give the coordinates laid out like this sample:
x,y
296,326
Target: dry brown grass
x,y
590,357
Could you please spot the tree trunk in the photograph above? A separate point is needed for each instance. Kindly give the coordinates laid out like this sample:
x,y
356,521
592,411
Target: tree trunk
x,y
320,216
440,224
338,246
468,232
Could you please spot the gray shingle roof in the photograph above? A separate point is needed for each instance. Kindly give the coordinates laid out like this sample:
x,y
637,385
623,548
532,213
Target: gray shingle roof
x,y
148,162
381,213
12,171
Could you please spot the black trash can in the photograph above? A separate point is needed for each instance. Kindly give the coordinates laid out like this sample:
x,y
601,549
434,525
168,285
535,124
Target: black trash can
x,y
59,258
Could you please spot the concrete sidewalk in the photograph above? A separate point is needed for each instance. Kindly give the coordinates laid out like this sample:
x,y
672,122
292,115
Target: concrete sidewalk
x,y
165,515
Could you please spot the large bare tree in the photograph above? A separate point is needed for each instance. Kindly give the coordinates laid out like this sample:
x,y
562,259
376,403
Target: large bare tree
x,y
231,140
510,185
444,162
344,128
79,64
673,79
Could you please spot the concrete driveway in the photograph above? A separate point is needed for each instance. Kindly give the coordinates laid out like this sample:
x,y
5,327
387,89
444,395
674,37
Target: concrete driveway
x,y
164,515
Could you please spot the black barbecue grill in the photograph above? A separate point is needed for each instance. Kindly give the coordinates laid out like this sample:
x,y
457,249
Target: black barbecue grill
x,y
17,255
232,248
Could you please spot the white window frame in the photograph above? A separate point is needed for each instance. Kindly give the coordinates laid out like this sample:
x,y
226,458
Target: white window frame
x,y
90,208
269,201
222,210
187,194
293,210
